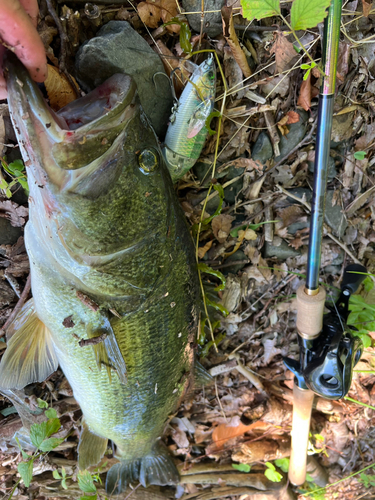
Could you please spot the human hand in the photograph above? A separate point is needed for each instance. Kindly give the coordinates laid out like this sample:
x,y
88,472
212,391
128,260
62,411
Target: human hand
x,y
18,19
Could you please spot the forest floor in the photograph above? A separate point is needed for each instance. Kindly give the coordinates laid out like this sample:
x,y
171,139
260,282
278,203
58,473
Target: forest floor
x,y
258,239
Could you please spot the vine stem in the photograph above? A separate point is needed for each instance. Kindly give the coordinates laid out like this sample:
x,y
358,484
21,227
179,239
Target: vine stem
x,y
300,44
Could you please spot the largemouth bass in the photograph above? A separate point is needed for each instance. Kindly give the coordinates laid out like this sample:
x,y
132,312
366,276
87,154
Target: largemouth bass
x,y
114,279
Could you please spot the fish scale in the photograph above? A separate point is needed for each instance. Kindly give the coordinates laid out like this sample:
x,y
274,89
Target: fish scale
x,y
113,231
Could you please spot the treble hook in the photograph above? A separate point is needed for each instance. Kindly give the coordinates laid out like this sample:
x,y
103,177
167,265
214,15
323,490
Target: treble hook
x,y
175,100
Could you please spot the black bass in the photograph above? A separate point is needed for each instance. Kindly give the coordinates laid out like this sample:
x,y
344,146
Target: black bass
x,y
113,272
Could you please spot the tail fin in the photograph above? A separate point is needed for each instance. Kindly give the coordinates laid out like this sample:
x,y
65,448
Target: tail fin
x,y
155,468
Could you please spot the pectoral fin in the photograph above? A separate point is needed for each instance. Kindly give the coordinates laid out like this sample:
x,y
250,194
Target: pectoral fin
x,y
30,355
91,448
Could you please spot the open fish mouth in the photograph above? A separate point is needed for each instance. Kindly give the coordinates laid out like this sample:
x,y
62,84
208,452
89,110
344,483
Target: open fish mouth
x,y
75,136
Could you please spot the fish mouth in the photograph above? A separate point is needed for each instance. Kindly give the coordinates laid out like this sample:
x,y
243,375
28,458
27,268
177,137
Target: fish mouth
x,y
75,136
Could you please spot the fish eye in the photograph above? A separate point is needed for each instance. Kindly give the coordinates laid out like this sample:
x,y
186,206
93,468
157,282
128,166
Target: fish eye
x,y
148,160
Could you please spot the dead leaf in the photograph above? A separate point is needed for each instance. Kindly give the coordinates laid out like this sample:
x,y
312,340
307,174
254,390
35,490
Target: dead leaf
x,y
16,214
290,214
304,99
223,432
221,225
293,117
282,125
284,52
152,12
59,90
231,38
203,250
367,6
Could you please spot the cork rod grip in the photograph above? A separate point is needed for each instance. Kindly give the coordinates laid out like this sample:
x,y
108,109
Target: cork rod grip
x,y
302,406
310,310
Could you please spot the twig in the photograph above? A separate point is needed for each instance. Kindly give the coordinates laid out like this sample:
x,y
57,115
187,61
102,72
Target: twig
x,y
18,306
63,46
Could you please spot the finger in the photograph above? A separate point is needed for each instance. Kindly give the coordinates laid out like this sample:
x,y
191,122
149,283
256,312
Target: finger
x,y
3,87
18,33
31,7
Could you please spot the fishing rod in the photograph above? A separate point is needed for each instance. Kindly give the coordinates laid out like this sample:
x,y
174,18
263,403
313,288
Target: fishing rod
x,y
328,352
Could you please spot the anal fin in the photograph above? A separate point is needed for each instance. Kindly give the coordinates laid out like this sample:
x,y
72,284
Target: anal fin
x,y
91,447
30,355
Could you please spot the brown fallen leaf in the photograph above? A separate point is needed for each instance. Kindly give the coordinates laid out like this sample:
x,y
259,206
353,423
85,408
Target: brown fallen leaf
x,y
293,117
59,90
16,214
203,250
284,52
290,214
152,12
282,125
304,99
367,6
232,40
170,62
221,225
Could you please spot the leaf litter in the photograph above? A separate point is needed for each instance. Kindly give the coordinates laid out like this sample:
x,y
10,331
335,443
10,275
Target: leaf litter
x,y
259,241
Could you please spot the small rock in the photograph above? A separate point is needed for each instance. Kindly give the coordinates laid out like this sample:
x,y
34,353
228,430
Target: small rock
x,y
262,149
238,256
9,234
282,252
212,24
334,217
297,132
118,48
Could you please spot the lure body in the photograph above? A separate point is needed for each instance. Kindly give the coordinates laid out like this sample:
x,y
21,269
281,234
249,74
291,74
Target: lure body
x,y
187,131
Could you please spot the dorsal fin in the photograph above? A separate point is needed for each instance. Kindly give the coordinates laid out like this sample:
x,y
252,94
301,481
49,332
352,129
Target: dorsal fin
x,y
30,355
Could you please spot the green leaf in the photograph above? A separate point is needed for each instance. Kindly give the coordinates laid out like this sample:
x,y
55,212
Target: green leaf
x,y
273,475
360,155
50,444
307,14
309,478
259,9
41,403
242,467
64,485
185,34
51,413
85,482
16,167
56,474
319,437
63,472
283,464
26,471
38,433
89,497
53,425
204,268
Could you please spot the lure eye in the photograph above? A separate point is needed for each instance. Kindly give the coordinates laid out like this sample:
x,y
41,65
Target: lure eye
x,y
148,160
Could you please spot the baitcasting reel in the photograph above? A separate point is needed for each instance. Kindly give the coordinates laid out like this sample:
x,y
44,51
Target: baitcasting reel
x,y
326,363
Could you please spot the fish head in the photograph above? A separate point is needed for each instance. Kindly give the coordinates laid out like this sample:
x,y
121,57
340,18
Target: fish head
x,y
94,168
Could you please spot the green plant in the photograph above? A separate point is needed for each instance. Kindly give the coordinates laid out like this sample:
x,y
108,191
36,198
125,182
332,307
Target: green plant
x,y
16,170
362,313
360,155
242,467
304,14
272,474
367,479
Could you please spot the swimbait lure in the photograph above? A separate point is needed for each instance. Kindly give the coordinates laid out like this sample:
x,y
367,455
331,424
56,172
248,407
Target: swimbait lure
x,y
113,273
187,131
